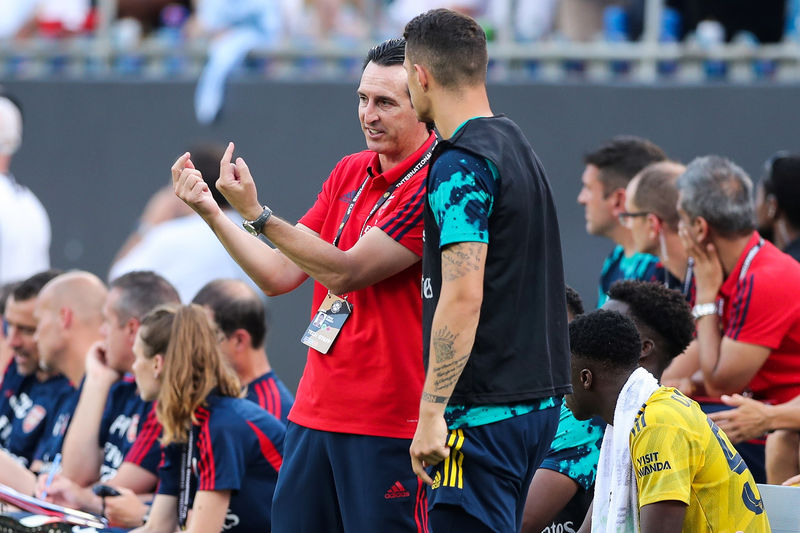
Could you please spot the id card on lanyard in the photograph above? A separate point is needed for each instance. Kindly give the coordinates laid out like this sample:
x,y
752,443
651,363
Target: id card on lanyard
x,y
335,310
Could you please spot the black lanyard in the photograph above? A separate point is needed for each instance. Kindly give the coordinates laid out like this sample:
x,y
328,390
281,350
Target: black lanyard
x,y
185,483
421,162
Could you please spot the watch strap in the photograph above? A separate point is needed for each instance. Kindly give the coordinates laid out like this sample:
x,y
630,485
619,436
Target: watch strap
x,y
701,310
256,226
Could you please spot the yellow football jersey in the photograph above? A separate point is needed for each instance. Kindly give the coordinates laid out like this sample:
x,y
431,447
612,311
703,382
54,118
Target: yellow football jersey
x,y
679,454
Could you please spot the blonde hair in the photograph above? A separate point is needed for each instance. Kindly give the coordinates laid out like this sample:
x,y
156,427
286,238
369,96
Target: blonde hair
x,y
193,365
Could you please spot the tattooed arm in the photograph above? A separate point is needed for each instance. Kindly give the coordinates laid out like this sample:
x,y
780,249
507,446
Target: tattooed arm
x,y
452,335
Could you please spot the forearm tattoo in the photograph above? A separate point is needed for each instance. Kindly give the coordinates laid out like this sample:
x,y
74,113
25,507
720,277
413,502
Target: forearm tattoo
x,y
460,259
432,398
443,340
447,374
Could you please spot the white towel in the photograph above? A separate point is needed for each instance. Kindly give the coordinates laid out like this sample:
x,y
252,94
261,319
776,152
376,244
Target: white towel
x,y
616,508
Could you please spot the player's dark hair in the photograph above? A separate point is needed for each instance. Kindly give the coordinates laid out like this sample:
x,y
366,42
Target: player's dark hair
x,y
29,288
621,158
660,313
783,181
140,292
235,306
606,337
387,53
574,302
451,45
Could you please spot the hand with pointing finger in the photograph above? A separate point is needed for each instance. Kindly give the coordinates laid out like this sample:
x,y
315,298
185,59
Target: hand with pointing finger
x,y
237,186
188,184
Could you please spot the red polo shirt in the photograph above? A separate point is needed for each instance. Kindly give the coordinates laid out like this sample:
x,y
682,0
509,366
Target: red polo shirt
x,y
763,308
370,381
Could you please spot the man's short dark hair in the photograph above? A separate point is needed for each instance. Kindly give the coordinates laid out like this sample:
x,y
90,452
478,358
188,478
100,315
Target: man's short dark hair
x,y
451,45
660,312
235,306
387,53
574,302
621,158
782,180
140,292
206,157
5,292
719,191
606,337
30,287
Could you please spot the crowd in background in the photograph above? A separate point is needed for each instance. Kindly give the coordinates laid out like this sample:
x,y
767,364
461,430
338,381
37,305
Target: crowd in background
x,y
309,21
657,212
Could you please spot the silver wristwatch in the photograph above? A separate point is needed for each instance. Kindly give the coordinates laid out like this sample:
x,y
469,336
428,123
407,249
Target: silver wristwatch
x,y
254,227
702,310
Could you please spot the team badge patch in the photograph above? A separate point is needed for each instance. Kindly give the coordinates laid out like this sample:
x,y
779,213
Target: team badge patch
x,y
33,418
133,428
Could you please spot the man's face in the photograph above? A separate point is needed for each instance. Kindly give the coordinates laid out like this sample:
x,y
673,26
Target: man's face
x,y
21,328
686,227
118,340
598,208
49,335
387,118
765,213
580,402
418,99
640,226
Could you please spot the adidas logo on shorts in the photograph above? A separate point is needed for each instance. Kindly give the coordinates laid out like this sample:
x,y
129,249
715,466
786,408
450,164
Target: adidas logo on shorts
x,y
396,491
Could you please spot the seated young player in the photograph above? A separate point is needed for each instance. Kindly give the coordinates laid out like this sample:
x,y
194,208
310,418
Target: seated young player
x,y
221,452
671,469
562,488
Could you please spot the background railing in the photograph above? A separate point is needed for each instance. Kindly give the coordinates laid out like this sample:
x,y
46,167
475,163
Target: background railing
x,y
113,48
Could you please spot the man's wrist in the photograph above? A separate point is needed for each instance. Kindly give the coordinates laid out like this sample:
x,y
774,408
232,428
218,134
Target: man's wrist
x,y
252,212
704,309
432,405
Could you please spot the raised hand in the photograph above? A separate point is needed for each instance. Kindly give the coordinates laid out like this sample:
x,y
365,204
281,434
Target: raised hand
x,y
97,364
708,271
188,184
237,186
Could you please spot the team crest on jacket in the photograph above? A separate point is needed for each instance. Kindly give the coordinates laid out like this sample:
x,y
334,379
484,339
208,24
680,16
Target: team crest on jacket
x,y
133,428
33,418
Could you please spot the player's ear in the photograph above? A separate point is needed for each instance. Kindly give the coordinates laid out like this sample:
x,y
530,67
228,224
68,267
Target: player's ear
x,y
586,378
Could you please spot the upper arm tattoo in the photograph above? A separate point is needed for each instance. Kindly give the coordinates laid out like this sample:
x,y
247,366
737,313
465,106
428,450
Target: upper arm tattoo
x,y
460,259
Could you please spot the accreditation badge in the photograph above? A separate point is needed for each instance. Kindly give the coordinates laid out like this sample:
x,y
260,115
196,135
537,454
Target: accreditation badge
x,y
327,323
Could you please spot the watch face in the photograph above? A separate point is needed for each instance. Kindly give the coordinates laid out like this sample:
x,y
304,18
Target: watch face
x,y
249,227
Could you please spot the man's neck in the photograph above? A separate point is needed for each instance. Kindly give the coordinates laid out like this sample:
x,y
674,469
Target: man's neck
x,y
622,236
676,258
5,164
256,366
785,233
730,251
73,365
389,161
454,108
609,396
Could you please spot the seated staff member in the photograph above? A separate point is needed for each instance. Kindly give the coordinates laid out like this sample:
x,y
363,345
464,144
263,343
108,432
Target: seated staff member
x,y
222,453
